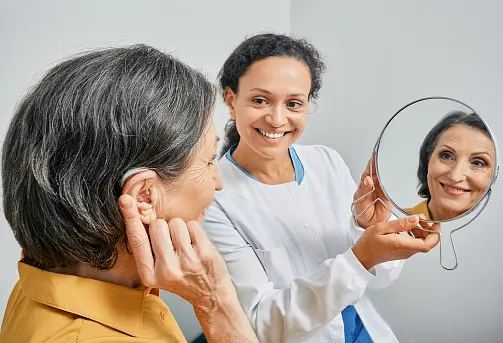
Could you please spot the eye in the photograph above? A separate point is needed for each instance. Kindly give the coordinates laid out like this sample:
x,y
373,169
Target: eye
x,y
294,104
480,163
445,155
213,160
259,101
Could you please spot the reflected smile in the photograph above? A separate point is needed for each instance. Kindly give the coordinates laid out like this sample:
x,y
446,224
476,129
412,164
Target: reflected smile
x,y
453,190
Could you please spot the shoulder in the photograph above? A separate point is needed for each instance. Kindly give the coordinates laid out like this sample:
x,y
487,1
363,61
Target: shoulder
x,y
22,322
321,155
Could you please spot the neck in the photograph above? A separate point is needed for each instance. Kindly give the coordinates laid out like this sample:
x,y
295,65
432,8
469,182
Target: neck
x,y
123,273
437,213
268,170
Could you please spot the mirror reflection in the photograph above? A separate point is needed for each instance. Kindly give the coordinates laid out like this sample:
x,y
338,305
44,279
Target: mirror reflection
x,y
447,156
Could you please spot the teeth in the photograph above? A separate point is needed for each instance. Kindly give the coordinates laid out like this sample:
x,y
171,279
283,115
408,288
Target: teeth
x,y
271,135
454,189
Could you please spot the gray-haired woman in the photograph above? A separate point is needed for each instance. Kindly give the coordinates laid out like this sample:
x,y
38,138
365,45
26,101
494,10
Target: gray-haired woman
x,y
126,125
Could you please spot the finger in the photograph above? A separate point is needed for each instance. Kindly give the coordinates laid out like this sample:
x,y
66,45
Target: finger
x,y
206,251
180,237
415,245
400,225
431,240
137,237
197,235
161,243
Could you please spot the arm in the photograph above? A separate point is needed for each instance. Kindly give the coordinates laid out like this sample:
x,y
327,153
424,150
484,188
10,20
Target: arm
x,y
386,273
226,324
179,258
289,314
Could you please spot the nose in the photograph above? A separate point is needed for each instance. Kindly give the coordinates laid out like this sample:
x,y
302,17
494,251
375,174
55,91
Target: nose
x,y
277,117
217,177
458,171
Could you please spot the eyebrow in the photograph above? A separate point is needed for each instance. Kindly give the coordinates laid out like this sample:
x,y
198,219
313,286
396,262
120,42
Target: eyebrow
x,y
476,153
267,92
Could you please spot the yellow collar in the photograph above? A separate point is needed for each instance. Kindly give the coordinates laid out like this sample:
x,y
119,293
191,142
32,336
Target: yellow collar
x,y
422,207
113,305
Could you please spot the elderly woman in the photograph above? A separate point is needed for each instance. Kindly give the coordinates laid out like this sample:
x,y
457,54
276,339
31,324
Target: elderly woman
x,y
133,123
456,165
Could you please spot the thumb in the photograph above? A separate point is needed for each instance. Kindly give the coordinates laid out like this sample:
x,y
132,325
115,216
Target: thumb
x,y
400,225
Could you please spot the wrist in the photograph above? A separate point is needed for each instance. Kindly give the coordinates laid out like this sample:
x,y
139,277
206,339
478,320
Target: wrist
x,y
225,322
362,256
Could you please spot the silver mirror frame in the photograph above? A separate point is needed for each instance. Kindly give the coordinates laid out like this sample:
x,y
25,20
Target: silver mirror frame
x,y
480,206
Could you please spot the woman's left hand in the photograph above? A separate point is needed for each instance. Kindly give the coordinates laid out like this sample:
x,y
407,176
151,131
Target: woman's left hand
x,y
377,212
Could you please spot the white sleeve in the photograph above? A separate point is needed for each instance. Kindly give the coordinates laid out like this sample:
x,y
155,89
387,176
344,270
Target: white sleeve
x,y
289,314
386,273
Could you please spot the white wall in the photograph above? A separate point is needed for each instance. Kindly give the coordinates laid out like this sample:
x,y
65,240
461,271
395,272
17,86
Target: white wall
x,y
382,55
35,34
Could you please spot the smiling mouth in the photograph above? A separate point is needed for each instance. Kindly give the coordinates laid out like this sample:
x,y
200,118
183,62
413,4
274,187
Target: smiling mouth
x,y
454,190
272,135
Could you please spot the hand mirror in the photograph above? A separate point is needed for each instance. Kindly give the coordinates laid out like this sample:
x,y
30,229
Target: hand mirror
x,y
437,156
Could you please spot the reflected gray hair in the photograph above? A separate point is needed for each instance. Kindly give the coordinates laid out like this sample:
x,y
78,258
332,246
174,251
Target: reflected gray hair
x,y
89,120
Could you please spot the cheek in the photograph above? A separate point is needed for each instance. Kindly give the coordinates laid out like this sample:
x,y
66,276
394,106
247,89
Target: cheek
x,y
299,121
437,168
203,191
482,180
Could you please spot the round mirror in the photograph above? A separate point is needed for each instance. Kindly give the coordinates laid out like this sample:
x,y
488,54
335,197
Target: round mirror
x,y
437,156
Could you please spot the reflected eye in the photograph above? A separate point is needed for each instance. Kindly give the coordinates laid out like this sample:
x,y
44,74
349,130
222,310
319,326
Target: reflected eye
x,y
445,155
479,163
294,104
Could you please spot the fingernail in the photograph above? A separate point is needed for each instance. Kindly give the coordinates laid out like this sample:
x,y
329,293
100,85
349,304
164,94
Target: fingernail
x,y
422,216
412,219
365,182
125,202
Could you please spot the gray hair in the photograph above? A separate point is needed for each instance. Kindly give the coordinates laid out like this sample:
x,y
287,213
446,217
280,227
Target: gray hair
x,y
89,120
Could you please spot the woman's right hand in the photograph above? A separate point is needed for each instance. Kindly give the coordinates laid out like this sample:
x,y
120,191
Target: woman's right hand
x,y
381,243
178,257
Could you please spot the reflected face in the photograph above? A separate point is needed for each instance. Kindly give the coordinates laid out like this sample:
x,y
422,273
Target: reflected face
x,y
271,106
189,196
460,169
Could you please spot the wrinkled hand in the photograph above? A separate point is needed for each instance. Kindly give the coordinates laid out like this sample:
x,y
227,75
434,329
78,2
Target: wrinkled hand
x,y
380,243
377,212
177,257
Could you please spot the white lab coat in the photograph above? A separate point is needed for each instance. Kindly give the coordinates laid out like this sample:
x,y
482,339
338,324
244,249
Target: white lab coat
x,y
288,251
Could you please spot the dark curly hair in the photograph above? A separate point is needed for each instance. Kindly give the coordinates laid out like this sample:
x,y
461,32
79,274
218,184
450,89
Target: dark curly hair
x,y
260,47
430,142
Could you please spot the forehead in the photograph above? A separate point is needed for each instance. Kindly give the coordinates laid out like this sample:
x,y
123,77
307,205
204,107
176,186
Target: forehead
x,y
277,74
209,138
467,136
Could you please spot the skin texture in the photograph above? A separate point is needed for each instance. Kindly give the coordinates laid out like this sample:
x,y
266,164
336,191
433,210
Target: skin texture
x,y
459,171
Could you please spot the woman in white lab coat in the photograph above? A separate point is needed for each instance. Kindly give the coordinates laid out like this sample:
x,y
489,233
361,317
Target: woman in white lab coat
x,y
300,262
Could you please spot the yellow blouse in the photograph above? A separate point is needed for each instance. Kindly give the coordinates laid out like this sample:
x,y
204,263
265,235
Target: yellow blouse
x,y
57,308
422,207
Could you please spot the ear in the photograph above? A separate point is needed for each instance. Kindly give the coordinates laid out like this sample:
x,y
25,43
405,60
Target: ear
x,y
230,101
141,187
